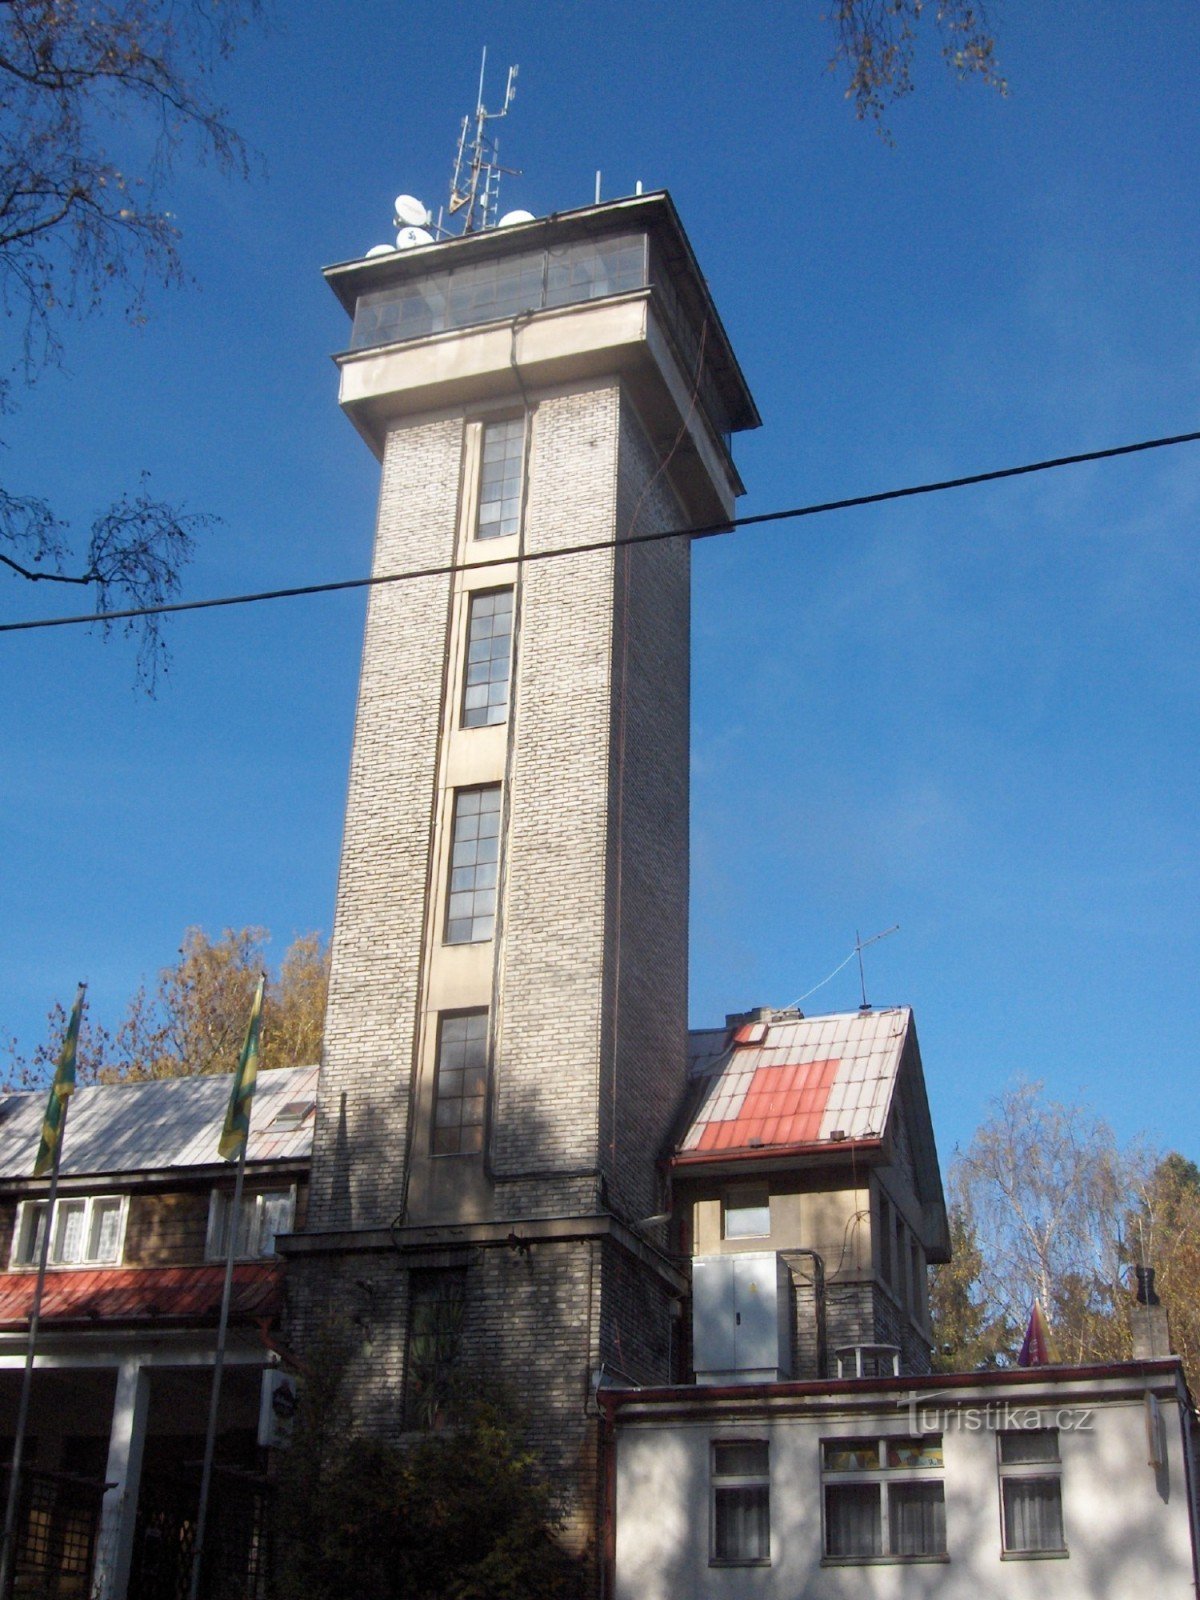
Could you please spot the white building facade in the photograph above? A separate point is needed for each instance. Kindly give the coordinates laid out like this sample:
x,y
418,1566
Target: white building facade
x,y
1060,1484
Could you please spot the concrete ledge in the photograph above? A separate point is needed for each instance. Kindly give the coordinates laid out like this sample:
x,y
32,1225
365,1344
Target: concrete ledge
x,y
518,1234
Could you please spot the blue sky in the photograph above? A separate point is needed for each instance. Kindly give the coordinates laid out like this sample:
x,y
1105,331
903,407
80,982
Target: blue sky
x,y
973,715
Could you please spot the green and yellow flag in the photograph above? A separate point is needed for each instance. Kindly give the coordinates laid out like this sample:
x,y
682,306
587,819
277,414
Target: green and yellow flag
x,y
237,1119
60,1089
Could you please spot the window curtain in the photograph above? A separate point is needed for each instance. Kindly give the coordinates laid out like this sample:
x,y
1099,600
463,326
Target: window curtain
x,y
1032,1514
917,1519
743,1527
853,1522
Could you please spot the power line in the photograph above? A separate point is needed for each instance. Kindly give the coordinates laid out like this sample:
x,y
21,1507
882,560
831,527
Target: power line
x,y
703,531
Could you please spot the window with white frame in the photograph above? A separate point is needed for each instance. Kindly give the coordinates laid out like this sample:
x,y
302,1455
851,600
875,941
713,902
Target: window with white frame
x,y
741,1502
264,1215
87,1231
474,864
884,1499
500,474
1031,1492
747,1213
489,656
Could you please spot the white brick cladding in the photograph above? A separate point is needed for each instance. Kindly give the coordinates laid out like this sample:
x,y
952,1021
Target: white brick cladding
x,y
595,912
553,966
358,1147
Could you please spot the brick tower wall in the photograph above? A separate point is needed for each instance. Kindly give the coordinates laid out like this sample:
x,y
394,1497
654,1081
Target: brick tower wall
x,y
363,1100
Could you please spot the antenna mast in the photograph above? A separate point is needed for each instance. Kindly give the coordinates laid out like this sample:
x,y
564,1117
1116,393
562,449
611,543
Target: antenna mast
x,y
860,944
475,186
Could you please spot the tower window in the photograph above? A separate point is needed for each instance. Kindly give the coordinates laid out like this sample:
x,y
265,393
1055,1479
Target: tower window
x,y
474,857
500,479
436,1309
460,1089
489,651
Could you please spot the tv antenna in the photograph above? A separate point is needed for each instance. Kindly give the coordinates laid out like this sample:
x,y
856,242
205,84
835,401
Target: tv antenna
x,y
475,186
860,944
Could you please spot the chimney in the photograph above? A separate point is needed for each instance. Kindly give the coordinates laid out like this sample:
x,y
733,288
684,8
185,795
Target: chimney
x,y
1148,1318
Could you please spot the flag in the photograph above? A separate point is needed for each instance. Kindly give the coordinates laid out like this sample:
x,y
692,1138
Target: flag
x,y
237,1119
1035,1347
63,1085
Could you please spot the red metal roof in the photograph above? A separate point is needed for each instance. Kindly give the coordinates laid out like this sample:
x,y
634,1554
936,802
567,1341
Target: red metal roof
x,y
788,1082
143,1294
782,1105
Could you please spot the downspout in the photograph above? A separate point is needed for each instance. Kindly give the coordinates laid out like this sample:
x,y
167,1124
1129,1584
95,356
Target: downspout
x,y
608,1497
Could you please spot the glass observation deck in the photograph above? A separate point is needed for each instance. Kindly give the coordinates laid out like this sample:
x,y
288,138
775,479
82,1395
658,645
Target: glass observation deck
x,y
506,286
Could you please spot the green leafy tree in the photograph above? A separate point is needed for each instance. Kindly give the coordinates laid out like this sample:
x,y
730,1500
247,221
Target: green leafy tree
x,y
83,224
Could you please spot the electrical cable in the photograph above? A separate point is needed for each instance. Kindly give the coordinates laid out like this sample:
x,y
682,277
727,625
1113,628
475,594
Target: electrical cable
x,y
702,531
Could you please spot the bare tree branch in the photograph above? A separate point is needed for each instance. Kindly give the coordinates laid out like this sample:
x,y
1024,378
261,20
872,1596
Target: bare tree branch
x,y
81,228
876,43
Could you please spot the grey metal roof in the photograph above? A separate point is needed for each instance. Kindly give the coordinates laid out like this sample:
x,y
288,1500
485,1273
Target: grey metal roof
x,y
164,1122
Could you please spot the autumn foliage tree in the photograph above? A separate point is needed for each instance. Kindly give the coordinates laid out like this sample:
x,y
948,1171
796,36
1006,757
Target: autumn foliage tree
x,y
193,1020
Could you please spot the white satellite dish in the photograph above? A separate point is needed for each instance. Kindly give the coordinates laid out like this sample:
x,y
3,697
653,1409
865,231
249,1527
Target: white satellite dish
x,y
410,213
511,218
381,250
408,237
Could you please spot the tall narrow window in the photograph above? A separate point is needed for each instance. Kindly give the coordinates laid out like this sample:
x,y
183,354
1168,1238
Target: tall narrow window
x,y
436,1310
741,1503
474,856
489,652
500,479
460,1089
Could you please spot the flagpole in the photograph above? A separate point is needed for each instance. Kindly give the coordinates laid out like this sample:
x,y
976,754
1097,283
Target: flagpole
x,y
8,1554
210,1438
49,1153
235,1136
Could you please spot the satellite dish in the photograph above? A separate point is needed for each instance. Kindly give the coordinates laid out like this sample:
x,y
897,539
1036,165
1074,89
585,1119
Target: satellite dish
x,y
410,213
511,218
408,237
381,250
